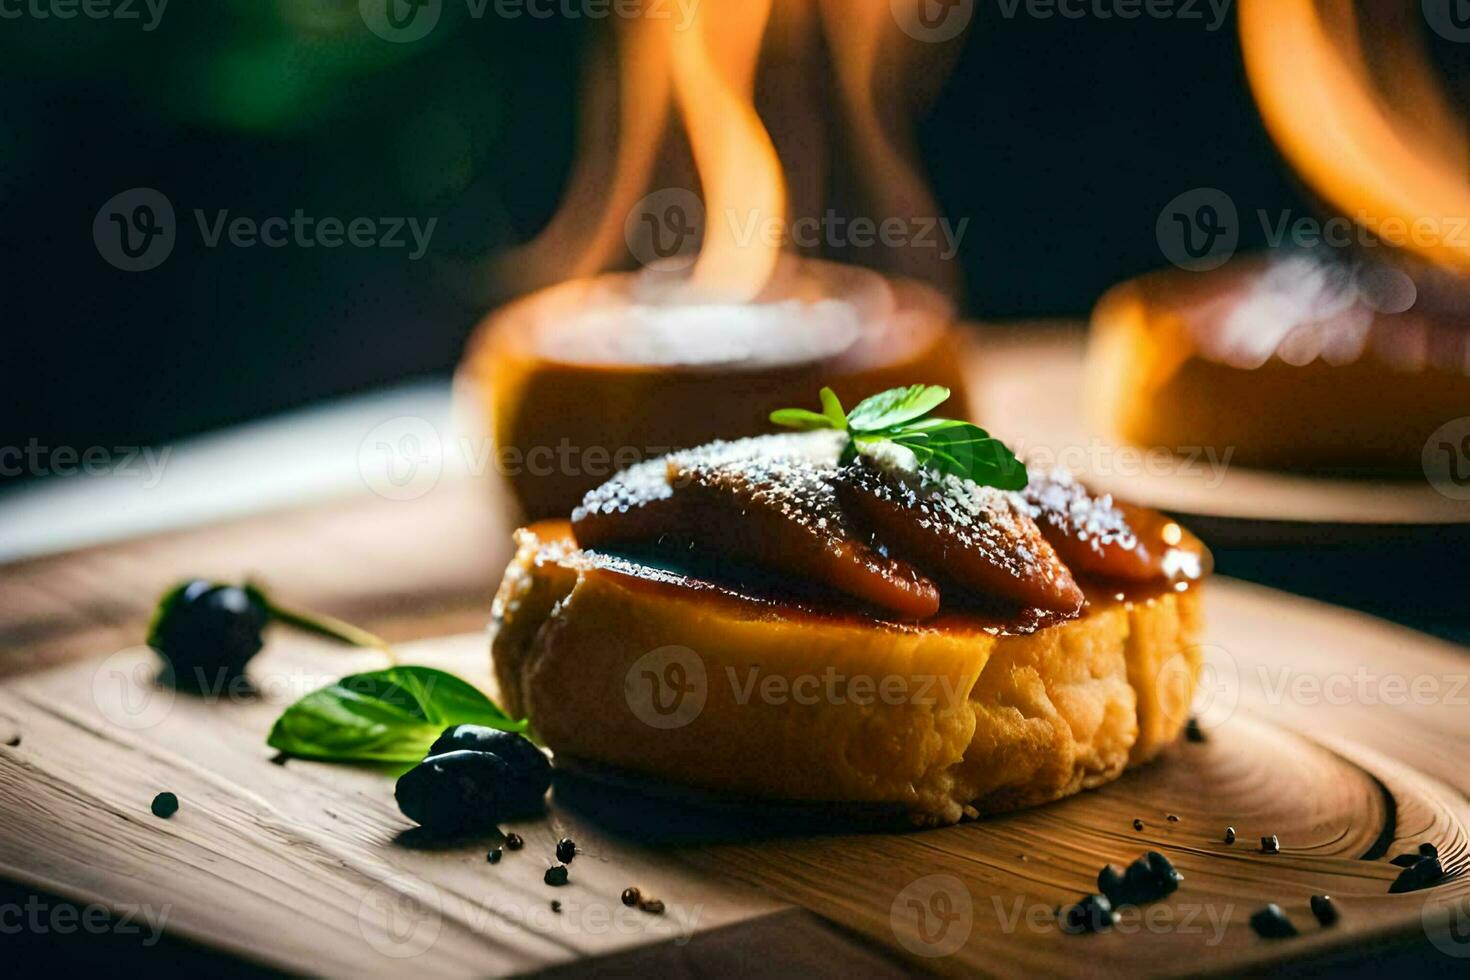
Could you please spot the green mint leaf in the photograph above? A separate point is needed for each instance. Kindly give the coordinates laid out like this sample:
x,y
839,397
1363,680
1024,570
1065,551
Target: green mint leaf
x,y
966,451
896,406
390,715
800,418
832,409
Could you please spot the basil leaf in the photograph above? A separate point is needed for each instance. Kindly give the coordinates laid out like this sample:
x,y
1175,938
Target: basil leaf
x,y
969,452
800,418
390,715
895,407
832,409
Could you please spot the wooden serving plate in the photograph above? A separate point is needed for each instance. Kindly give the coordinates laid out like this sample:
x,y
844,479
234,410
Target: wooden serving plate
x,y
310,867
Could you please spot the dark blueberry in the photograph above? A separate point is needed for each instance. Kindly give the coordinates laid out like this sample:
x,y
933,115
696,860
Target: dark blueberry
x,y
1193,731
1137,824
556,875
1407,860
1092,914
513,842
1425,850
457,792
1141,884
207,633
1272,923
566,849
556,906
1230,835
1270,845
1324,910
165,805
529,771
1425,872
1164,870
494,856
631,896
1110,883
652,906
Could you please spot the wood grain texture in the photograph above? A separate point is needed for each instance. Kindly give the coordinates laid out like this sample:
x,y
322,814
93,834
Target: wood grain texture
x,y
317,858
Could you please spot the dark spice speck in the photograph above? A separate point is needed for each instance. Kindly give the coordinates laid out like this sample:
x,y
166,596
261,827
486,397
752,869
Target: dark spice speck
x,y
513,842
1324,910
494,856
1193,731
652,906
13,741
566,849
556,875
1270,845
1137,824
631,897
1230,835
1173,818
556,906
165,805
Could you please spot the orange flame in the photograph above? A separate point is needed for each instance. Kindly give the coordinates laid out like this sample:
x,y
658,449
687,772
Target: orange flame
x,y
706,67
1392,162
737,162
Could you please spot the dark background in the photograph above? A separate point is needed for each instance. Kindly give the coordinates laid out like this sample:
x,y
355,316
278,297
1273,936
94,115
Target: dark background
x,y
1060,140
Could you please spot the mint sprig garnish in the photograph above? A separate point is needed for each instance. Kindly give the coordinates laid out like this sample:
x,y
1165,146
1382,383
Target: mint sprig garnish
x,y
900,417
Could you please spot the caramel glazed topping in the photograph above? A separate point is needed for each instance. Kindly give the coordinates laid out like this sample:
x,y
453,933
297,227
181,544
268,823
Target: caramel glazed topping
x,y
870,530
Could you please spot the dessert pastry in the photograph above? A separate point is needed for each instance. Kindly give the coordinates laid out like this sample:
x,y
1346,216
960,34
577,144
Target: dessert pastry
x,y
1284,363
784,618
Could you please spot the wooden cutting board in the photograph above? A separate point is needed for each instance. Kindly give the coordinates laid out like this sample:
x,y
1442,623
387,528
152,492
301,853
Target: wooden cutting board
x,y
1341,735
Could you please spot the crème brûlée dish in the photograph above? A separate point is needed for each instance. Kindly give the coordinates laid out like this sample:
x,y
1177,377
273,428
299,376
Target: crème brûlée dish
x,y
783,618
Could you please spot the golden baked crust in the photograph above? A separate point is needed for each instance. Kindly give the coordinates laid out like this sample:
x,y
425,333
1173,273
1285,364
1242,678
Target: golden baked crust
x,y
773,700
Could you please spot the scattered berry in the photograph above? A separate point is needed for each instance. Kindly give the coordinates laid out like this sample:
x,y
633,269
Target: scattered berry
x,y
631,897
1230,835
494,856
1092,914
165,805
556,875
1270,845
1272,923
513,842
566,849
556,906
1324,910
1137,824
1425,872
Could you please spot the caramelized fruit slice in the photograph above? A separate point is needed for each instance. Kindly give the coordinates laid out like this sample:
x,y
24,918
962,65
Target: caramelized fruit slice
x,y
1096,535
768,501
977,537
